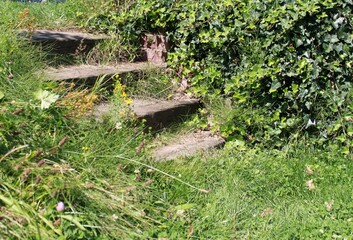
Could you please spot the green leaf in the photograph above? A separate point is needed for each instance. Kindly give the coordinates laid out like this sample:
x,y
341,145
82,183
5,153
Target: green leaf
x,y
334,38
185,206
298,42
345,150
350,131
275,85
2,95
46,98
295,88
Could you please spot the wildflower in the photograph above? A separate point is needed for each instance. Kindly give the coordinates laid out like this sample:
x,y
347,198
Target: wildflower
x,y
60,207
128,101
118,126
123,113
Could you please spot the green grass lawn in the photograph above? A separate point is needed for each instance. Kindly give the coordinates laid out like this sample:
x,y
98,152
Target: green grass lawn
x,y
304,193
112,191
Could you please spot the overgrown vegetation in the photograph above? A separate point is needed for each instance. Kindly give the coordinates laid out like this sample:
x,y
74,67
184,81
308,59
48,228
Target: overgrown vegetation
x,y
54,185
284,65
273,73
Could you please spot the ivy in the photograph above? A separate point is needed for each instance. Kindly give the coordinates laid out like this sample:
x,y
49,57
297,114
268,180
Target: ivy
x,y
289,62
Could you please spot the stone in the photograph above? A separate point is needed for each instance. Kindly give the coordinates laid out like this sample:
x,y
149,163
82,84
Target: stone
x,y
187,145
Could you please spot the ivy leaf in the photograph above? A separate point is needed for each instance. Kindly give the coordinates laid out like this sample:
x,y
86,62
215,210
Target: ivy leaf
x,y
298,42
338,47
338,22
46,98
334,38
275,85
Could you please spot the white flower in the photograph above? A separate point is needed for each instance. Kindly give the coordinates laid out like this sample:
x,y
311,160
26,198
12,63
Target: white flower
x,y
118,126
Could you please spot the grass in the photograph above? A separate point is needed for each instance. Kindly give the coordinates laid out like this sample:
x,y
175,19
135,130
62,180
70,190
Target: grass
x,y
261,194
40,166
112,191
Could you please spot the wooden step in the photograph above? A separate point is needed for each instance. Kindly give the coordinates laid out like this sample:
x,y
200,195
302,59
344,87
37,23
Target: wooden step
x,y
63,42
90,73
157,114
186,145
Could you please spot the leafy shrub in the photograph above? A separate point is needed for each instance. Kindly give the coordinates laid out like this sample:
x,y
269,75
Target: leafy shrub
x,y
288,62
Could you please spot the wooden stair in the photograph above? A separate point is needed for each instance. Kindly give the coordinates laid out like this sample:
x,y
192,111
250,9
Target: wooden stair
x,y
156,113
90,73
63,42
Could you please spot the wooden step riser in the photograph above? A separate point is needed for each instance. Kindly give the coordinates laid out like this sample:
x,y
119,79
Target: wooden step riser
x,y
156,115
165,118
107,81
63,42
69,47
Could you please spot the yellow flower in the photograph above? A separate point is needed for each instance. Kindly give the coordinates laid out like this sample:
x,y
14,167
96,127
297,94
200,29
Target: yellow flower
x,y
122,113
128,101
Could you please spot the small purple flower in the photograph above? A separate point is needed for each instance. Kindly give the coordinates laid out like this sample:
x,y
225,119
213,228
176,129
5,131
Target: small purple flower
x,y
60,207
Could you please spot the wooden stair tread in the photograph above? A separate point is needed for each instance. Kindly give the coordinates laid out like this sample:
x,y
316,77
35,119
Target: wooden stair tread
x,y
187,145
70,73
49,35
156,113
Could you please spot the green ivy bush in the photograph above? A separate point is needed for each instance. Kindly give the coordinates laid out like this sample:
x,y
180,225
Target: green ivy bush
x,y
285,64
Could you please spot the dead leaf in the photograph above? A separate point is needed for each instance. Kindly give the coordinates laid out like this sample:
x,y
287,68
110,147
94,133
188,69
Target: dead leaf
x,y
149,182
180,212
308,170
57,222
205,191
63,141
329,205
120,166
191,230
310,184
266,212
18,111
140,147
